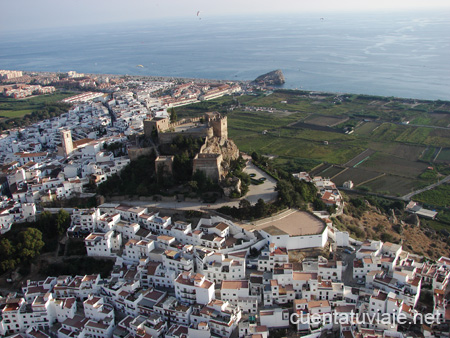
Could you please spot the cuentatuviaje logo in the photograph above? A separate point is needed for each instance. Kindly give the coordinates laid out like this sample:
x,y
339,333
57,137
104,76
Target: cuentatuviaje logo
x,y
385,319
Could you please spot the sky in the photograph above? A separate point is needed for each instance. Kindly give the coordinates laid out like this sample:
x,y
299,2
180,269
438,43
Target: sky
x,y
33,14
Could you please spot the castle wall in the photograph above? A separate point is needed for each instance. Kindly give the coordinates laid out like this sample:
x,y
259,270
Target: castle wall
x,y
168,137
135,153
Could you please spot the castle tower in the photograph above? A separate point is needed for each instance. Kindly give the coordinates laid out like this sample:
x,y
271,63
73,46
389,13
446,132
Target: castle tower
x,y
164,163
219,124
66,141
210,164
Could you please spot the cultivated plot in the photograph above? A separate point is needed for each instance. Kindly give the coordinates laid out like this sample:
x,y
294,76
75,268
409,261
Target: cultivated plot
x,y
330,171
355,161
393,185
444,155
326,121
356,175
385,163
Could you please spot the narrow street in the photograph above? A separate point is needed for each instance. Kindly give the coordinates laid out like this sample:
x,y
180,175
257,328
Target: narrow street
x,y
347,261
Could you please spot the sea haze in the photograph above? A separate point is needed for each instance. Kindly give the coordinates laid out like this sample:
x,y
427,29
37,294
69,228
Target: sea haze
x,y
392,54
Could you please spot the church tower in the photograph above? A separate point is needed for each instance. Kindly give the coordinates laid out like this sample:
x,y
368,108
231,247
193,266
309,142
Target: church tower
x,y
66,141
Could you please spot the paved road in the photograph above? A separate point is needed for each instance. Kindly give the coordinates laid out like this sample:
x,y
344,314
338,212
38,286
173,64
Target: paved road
x,y
412,125
425,125
408,196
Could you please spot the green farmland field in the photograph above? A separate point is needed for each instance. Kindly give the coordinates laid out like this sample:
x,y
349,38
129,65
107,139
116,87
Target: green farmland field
x,y
10,108
393,185
444,155
439,196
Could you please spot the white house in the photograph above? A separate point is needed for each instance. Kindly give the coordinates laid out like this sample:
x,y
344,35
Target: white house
x,y
135,250
193,288
102,244
272,257
274,318
219,317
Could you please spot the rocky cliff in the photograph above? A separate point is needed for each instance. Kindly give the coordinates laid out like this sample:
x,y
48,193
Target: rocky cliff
x,y
273,78
226,147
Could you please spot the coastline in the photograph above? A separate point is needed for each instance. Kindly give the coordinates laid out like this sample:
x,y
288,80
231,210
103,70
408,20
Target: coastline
x,y
147,77
157,78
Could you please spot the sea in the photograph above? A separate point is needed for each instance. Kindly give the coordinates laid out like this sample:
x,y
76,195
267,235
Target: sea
x,y
402,54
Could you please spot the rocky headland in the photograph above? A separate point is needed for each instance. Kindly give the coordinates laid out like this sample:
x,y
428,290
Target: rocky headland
x,y
274,78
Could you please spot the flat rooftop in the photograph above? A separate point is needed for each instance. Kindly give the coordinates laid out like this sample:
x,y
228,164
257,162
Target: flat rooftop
x,y
299,223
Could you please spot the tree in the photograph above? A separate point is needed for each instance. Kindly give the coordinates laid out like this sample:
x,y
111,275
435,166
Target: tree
x,y
200,177
386,237
142,190
30,243
6,248
319,204
8,264
193,185
62,222
47,224
182,167
173,116
245,208
260,208
255,156
285,193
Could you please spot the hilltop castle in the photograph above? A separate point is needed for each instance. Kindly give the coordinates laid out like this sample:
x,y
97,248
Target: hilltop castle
x,y
215,154
215,125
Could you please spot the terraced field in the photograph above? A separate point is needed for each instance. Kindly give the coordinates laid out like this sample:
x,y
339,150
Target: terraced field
x,y
386,152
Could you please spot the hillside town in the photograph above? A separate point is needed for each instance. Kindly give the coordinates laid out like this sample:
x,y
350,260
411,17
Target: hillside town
x,y
212,277
58,158
216,279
